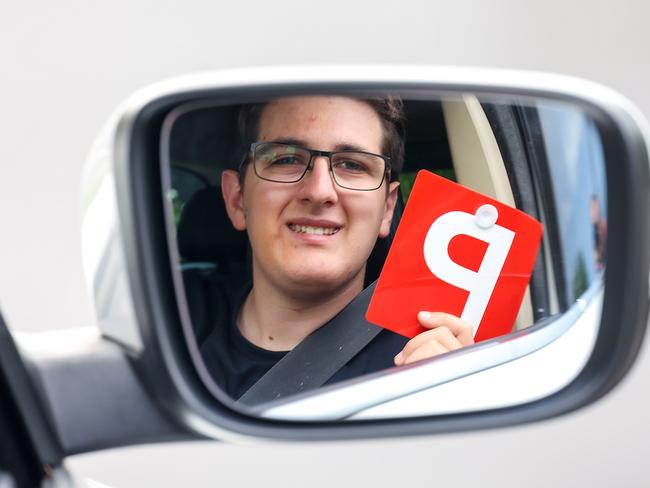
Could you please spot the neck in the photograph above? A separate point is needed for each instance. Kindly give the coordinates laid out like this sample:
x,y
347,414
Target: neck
x,y
278,321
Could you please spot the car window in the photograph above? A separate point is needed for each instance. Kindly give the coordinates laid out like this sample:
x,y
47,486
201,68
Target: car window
x,y
572,141
453,137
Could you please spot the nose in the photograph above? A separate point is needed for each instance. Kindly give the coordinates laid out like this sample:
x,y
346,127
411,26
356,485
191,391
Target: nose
x,y
317,185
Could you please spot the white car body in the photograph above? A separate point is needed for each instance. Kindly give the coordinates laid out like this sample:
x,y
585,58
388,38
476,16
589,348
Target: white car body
x,y
67,66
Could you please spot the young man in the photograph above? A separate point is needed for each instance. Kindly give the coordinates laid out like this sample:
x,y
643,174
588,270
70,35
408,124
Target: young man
x,y
314,194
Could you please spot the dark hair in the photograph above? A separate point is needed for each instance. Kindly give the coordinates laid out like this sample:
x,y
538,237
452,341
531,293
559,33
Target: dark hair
x,y
390,111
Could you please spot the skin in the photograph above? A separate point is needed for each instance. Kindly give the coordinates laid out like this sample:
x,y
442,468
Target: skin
x,y
302,280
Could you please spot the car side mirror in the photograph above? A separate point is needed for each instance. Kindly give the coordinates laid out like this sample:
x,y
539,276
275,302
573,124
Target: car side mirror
x,y
568,152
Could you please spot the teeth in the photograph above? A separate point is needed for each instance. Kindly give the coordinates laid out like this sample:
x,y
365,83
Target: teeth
x,y
308,229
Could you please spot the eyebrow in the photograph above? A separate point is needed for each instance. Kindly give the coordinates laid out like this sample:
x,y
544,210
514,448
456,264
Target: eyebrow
x,y
338,148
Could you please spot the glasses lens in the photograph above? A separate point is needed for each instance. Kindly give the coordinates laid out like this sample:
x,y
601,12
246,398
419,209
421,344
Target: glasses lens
x,y
280,162
358,171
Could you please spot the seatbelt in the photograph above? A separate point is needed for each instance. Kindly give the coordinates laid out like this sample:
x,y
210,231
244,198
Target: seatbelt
x,y
319,356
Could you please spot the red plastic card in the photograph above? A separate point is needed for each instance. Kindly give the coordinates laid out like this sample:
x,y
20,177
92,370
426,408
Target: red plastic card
x,y
456,251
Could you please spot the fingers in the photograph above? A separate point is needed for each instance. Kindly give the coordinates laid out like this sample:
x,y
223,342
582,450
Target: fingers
x,y
447,333
463,331
441,335
428,344
423,352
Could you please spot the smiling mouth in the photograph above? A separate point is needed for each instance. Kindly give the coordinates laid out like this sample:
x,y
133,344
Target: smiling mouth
x,y
309,229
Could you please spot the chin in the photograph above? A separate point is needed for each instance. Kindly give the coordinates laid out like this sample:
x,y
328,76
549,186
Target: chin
x,y
322,281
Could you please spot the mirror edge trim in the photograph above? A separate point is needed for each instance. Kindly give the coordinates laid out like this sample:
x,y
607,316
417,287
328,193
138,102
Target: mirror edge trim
x,y
630,135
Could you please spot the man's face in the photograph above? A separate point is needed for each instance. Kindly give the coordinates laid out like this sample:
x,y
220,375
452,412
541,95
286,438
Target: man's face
x,y
312,236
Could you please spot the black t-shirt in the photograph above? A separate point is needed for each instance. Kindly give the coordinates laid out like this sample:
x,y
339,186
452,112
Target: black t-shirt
x,y
235,363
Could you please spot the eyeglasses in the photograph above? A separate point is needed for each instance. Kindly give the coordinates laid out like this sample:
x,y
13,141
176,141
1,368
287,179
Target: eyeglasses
x,y
288,163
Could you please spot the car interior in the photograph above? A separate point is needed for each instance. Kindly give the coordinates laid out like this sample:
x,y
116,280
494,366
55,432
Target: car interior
x,y
452,138
209,247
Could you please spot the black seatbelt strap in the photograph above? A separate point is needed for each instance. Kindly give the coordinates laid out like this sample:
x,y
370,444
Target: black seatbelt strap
x,y
319,356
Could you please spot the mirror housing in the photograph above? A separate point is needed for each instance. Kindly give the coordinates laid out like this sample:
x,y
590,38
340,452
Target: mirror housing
x,y
127,257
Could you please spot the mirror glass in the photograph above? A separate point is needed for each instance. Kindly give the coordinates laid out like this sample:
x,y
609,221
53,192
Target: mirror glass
x,y
282,210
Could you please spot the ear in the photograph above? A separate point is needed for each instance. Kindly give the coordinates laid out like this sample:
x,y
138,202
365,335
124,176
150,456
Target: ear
x,y
391,199
232,192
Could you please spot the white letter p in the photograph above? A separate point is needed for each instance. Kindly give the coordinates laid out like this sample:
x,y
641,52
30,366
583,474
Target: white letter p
x,y
481,283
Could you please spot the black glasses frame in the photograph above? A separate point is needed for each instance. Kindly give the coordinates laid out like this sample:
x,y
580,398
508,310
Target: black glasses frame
x,y
310,164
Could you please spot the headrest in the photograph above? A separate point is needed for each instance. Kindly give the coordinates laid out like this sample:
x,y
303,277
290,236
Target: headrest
x,y
380,251
205,232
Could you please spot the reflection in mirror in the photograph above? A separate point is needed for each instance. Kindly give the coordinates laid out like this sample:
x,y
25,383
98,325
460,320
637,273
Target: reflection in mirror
x,y
281,211
576,167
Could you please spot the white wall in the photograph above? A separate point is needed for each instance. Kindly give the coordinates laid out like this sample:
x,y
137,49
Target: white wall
x,y
66,64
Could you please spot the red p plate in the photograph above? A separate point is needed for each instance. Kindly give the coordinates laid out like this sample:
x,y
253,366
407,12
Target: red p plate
x,y
459,252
